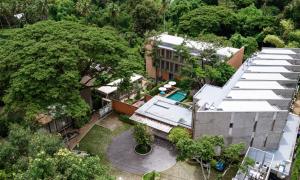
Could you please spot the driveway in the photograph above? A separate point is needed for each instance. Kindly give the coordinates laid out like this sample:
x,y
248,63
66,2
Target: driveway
x,y
122,156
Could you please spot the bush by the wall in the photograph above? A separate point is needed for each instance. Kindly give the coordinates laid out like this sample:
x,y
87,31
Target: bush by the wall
x,y
125,119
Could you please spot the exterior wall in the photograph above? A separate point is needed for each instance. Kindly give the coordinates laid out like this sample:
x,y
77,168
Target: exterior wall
x,y
265,127
150,69
123,107
165,75
86,95
237,59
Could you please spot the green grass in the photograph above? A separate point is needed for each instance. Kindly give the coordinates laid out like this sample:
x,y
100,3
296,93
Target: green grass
x,y
151,175
98,138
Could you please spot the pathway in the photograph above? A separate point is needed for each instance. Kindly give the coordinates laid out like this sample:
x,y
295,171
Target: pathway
x,y
122,156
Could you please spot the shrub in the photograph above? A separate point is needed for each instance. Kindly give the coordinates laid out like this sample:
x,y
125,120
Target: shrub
x,y
143,134
125,119
151,176
178,133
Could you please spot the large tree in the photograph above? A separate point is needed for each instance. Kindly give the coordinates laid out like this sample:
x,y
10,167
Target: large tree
x,y
208,19
42,65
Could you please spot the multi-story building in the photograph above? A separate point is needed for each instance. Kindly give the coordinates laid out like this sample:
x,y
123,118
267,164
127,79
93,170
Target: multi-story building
x,y
170,64
254,105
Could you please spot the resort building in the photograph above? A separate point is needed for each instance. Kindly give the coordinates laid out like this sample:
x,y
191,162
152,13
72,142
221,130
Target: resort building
x,y
254,106
170,63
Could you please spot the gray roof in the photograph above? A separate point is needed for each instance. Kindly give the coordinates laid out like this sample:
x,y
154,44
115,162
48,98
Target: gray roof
x,y
167,111
256,79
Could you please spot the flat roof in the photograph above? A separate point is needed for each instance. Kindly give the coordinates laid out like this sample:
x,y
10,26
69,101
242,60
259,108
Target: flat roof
x,y
154,124
248,106
253,94
167,111
168,40
271,62
277,51
284,153
259,85
267,69
274,56
263,76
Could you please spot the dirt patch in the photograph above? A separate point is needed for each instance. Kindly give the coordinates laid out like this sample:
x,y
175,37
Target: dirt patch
x,y
111,122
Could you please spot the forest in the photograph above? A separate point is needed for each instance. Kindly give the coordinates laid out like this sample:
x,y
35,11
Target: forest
x,y
47,46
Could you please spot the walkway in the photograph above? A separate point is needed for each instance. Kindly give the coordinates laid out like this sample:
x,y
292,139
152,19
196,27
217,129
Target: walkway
x,y
83,131
122,156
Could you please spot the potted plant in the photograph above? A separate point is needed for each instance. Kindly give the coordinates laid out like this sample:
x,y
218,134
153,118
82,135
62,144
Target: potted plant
x,y
144,139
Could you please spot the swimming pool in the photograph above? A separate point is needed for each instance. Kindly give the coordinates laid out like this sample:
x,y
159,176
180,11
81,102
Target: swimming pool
x,y
177,96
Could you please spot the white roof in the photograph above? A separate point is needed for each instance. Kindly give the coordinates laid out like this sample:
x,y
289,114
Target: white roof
x,y
284,153
267,69
154,124
113,86
259,85
253,94
227,51
247,106
263,76
167,111
278,51
270,62
198,45
274,56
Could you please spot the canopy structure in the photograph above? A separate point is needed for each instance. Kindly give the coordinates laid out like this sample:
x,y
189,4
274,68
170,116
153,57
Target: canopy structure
x,y
168,86
172,83
113,86
162,89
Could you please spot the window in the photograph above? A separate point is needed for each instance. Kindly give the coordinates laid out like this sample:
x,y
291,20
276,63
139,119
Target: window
x,y
181,59
162,52
171,67
230,125
254,127
167,65
176,68
162,64
168,54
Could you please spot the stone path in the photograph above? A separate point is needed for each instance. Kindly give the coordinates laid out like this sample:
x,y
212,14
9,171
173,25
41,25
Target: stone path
x,y
122,156
83,131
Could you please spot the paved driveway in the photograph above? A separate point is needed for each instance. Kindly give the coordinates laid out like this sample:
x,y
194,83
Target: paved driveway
x,y
122,156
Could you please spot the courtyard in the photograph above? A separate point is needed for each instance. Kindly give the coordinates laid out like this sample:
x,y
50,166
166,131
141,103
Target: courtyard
x,y
111,140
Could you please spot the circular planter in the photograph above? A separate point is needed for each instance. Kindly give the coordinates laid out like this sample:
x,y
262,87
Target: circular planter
x,y
139,150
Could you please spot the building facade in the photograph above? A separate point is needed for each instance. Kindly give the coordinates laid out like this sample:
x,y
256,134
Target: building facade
x,y
253,106
170,64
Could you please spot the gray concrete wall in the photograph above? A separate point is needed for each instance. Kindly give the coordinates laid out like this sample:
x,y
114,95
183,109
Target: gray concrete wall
x,y
217,123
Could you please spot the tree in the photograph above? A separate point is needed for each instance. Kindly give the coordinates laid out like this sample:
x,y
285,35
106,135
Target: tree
x,y
231,155
208,19
251,21
274,40
142,135
243,3
40,61
179,7
292,11
249,43
146,17
178,133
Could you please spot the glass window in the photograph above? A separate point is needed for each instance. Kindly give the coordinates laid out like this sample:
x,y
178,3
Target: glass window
x,y
162,64
167,65
171,67
176,68
162,52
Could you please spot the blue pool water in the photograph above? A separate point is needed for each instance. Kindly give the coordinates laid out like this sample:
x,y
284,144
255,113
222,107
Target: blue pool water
x,y
177,96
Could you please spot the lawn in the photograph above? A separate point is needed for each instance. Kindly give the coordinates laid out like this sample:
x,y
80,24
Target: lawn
x,y
98,138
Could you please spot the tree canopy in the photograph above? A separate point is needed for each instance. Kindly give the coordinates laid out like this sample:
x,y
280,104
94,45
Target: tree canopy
x,y
42,65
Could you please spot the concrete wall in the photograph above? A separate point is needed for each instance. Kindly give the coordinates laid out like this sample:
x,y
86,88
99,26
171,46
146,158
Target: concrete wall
x,y
237,59
244,128
123,108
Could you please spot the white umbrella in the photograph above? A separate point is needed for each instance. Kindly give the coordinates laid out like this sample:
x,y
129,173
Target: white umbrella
x,y
172,83
162,89
167,86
